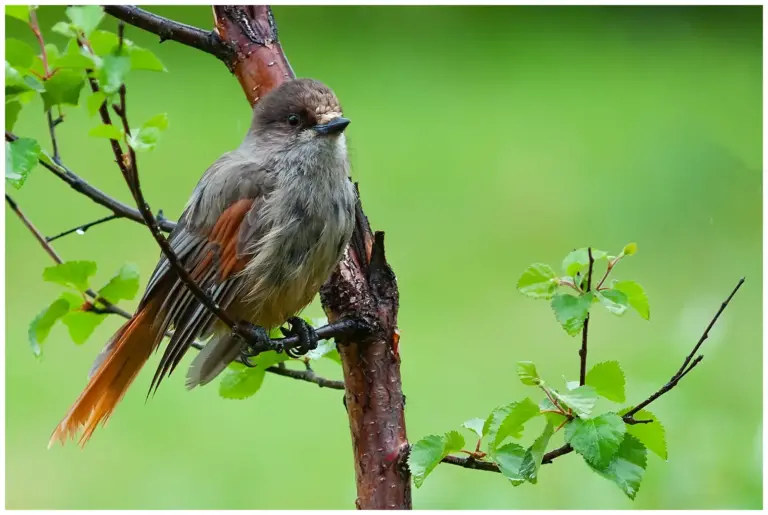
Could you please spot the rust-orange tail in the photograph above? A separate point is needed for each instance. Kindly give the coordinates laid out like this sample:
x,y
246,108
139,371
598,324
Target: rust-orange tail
x,y
114,370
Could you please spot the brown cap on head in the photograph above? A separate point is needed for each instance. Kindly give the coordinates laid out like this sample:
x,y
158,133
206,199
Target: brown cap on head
x,y
299,104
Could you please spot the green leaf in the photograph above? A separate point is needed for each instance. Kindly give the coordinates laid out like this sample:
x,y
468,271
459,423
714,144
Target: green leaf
x,y
553,418
597,439
334,356
76,302
12,110
85,17
538,281
52,51
18,85
512,424
71,273
581,400
65,29
78,58
143,59
508,420
529,468
18,53
614,301
95,102
114,69
571,311
43,322
21,156
636,297
510,458
475,425
527,373
427,453
578,260
146,137
106,131
103,42
123,286
629,249
323,348
20,12
63,88
627,467
607,378
652,435
81,324
241,384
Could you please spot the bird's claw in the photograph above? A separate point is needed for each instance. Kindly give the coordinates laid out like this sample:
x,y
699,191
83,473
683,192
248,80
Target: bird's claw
x,y
255,340
304,332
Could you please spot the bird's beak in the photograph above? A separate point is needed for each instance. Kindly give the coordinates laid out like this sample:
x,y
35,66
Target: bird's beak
x,y
335,126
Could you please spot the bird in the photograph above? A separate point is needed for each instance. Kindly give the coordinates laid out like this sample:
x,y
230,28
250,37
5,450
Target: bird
x,y
262,231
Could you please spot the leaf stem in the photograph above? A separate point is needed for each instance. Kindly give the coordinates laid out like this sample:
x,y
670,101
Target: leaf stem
x,y
608,269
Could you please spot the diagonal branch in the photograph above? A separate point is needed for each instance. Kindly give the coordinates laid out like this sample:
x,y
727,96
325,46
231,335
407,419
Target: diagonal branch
x,y
688,365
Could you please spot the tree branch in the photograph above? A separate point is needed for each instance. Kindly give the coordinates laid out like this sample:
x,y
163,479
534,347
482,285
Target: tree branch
x,y
585,330
472,463
688,365
207,41
80,229
37,234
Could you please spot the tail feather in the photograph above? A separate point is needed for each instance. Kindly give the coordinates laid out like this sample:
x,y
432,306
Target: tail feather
x,y
112,373
219,352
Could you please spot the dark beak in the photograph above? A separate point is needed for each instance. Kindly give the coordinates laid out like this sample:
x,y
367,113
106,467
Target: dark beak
x,y
335,126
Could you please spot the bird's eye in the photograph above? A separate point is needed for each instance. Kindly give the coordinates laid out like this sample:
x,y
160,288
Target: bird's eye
x,y
294,119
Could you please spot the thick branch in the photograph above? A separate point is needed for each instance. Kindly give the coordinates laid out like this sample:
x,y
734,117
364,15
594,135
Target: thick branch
x,y
259,62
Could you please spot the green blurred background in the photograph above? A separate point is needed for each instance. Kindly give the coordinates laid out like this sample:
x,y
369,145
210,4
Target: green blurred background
x,y
484,139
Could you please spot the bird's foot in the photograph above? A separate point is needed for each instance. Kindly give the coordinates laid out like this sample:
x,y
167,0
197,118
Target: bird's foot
x,y
306,335
255,341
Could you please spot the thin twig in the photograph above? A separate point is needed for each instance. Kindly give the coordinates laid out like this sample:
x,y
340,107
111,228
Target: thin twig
x,y
80,229
611,264
683,370
585,329
308,376
37,234
52,129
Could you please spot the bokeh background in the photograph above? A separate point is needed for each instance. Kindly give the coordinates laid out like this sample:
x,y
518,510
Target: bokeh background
x,y
484,139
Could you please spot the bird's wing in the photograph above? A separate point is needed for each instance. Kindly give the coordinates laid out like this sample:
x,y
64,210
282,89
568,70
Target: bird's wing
x,y
207,240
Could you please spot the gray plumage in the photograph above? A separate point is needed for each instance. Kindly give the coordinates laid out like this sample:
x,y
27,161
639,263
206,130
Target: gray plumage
x,y
292,184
